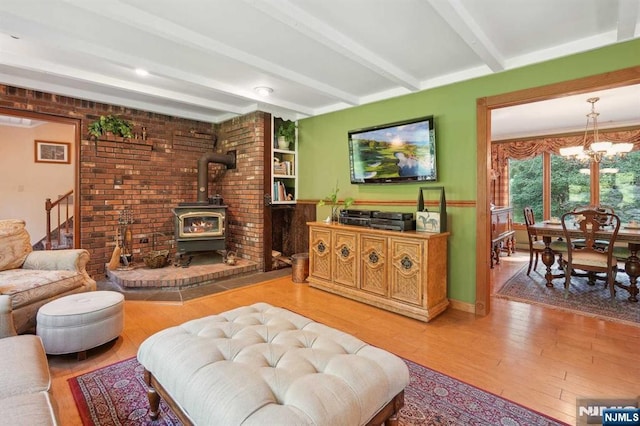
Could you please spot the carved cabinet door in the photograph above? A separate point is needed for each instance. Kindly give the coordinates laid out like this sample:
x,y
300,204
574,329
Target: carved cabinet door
x,y
373,264
406,270
320,253
345,255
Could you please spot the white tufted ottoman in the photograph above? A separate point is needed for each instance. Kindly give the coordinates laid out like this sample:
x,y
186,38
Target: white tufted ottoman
x,y
262,365
79,322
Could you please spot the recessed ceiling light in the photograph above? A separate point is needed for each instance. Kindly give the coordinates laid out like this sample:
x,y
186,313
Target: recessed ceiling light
x,y
263,90
142,72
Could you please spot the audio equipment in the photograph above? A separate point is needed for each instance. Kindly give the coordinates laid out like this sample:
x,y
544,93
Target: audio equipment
x,y
357,213
357,221
393,225
393,215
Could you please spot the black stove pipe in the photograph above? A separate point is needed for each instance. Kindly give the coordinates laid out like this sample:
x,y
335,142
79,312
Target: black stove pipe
x,y
228,159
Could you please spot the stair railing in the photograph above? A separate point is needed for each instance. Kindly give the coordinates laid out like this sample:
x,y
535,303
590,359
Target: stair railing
x,y
63,200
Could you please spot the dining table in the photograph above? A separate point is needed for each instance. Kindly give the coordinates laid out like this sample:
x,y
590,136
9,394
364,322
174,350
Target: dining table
x,y
629,234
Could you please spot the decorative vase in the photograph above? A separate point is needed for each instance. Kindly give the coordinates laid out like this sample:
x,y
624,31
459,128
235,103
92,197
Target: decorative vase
x,y
283,143
335,214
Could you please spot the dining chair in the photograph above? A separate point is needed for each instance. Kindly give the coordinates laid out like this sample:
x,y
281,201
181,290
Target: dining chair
x,y
604,220
580,242
536,246
590,256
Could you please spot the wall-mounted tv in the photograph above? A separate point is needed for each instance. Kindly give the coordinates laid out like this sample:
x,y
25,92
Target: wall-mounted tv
x,y
404,151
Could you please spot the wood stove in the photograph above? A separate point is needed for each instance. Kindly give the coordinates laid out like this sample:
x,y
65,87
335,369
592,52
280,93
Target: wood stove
x,y
199,227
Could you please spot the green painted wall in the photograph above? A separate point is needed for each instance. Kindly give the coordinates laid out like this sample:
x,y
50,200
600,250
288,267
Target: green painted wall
x,y
323,147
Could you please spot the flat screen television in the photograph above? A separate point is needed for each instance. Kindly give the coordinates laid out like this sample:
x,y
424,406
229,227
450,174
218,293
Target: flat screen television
x,y
404,151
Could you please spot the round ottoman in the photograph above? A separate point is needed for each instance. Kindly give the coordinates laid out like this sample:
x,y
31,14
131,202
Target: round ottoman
x,y
81,321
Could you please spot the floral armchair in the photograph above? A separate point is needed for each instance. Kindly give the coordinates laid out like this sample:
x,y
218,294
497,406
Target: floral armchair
x,y
33,278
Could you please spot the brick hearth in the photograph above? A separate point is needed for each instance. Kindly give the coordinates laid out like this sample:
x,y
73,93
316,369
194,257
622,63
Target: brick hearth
x,y
172,277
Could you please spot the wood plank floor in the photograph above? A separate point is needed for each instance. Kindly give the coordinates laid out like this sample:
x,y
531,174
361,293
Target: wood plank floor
x,y
538,357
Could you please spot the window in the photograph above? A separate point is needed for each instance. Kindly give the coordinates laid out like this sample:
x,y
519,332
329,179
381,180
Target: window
x,y
525,186
570,185
613,182
620,185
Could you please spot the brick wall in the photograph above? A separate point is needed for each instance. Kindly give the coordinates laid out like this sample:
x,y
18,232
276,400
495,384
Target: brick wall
x,y
243,188
149,177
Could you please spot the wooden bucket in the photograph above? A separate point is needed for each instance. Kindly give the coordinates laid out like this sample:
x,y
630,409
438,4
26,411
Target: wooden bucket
x,y
300,267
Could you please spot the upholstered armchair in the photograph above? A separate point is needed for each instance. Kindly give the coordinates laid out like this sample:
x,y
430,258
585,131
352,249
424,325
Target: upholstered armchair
x,y
6,320
32,278
25,382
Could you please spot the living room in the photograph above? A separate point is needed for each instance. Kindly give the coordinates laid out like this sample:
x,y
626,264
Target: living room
x,y
152,177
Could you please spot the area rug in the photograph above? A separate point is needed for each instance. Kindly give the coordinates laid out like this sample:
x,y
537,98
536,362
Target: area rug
x,y
116,395
591,300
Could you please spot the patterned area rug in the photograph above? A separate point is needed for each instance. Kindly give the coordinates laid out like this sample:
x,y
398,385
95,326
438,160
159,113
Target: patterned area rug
x,y
116,395
591,300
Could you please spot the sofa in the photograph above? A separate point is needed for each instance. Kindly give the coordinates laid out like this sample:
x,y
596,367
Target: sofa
x,y
25,397
33,278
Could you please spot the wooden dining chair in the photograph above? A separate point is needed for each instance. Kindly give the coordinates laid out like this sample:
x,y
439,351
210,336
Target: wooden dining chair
x,y
590,256
536,246
602,218
579,242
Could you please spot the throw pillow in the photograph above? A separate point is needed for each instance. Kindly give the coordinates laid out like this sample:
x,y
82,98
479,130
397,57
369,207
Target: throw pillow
x,y
15,244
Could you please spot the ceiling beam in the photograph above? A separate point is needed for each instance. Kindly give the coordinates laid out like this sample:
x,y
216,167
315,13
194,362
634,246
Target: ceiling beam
x,y
159,27
59,40
295,17
460,20
627,19
40,85
38,65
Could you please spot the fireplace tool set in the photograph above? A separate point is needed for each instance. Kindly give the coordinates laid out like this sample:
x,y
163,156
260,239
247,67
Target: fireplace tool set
x,y
125,236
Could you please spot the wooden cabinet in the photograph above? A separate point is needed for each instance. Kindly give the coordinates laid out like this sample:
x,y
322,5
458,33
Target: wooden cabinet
x,y
403,272
502,233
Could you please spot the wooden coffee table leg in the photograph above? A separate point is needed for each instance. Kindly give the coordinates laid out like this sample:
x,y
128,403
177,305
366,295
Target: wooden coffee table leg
x,y
154,398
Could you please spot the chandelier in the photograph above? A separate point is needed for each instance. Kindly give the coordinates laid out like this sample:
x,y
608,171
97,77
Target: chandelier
x,y
597,149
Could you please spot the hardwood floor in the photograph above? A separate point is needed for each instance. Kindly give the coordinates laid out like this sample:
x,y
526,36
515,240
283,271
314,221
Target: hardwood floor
x,y
540,358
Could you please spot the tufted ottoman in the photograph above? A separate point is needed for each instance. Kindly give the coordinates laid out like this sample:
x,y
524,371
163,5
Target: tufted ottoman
x,y
262,365
80,321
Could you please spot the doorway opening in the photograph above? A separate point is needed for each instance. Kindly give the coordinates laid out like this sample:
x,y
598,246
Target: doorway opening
x,y
40,162
484,108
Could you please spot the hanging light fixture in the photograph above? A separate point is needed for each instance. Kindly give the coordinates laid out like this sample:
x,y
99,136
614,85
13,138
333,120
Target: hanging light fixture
x,y
597,149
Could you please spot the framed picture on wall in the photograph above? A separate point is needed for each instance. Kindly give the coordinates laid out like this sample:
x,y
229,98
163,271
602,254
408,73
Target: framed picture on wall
x,y
52,152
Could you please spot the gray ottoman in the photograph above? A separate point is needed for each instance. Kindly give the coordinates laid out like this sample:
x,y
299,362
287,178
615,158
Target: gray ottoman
x,y
78,322
263,365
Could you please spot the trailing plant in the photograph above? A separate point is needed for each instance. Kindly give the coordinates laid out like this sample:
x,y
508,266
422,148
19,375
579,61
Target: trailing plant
x,y
111,124
335,204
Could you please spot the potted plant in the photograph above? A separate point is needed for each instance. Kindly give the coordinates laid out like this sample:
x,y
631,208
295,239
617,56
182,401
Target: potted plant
x,y
111,124
286,134
332,201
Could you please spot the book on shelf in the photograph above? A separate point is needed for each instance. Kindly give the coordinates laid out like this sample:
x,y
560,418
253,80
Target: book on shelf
x,y
288,167
283,168
279,169
281,192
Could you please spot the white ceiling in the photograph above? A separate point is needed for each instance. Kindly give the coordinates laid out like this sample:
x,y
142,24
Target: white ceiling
x,y
205,57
